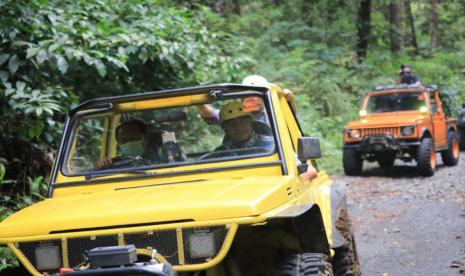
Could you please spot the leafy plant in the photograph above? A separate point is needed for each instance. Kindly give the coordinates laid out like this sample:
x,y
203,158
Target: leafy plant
x,y
7,258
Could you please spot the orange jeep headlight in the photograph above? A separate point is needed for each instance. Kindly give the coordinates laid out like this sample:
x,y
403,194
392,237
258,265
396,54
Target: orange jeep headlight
x,y
354,133
407,130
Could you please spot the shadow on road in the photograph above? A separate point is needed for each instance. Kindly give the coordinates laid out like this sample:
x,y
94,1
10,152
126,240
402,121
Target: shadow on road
x,y
403,170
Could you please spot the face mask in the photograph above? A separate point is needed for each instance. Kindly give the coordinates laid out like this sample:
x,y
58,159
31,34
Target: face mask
x,y
407,74
133,148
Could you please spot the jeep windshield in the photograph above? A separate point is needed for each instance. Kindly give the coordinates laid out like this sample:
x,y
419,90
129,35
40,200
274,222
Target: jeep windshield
x,y
395,102
168,132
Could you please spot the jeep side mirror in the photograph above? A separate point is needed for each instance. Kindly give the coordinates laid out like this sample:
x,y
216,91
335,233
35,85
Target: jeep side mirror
x,y
308,148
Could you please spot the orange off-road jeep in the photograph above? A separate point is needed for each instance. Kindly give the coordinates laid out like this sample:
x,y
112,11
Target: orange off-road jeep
x,y
401,122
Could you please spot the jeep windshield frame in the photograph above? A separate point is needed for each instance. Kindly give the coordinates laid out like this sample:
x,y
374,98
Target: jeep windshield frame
x,y
106,105
395,101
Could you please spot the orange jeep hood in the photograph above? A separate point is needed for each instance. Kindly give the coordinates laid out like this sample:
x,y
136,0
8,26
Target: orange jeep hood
x,y
199,201
388,119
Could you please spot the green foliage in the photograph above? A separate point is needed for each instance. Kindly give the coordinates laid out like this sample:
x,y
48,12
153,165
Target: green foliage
x,y
36,189
144,45
56,51
7,258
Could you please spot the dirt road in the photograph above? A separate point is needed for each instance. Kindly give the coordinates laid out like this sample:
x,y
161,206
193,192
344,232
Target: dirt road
x,y
406,224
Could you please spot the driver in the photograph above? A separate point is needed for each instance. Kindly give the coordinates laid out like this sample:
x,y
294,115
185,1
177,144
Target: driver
x,y
237,125
132,140
239,134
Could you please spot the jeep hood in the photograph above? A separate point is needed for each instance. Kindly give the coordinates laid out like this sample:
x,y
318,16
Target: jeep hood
x,y
198,200
388,120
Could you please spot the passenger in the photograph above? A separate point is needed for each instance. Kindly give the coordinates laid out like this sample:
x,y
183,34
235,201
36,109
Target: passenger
x,y
407,77
256,80
132,141
252,104
237,125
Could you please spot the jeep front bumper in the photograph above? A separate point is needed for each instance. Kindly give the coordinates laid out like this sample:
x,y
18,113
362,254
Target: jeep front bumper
x,y
381,143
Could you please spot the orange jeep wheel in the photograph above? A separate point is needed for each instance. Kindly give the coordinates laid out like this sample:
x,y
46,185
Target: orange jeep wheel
x,y
352,161
426,157
450,156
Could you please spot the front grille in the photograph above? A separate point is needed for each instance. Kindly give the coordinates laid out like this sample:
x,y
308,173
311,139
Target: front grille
x,y
78,246
165,242
394,131
171,244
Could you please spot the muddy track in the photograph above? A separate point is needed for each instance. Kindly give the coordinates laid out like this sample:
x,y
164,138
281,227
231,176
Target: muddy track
x,y
406,224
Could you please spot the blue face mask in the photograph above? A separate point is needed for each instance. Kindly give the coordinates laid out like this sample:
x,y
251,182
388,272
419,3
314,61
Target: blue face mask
x,y
133,148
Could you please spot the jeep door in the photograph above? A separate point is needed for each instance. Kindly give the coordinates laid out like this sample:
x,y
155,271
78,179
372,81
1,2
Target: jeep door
x,y
439,121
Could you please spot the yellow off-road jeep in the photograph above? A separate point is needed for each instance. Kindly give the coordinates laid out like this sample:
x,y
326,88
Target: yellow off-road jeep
x,y
144,185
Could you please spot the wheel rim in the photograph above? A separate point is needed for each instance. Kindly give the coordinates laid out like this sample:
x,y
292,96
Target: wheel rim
x,y
455,148
432,159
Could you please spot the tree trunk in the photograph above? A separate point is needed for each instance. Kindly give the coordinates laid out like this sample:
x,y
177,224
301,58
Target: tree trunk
x,y
395,30
237,7
434,24
411,23
364,29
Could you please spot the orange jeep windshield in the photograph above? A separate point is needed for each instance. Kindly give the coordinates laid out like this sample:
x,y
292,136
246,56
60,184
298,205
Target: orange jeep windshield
x,y
148,137
395,102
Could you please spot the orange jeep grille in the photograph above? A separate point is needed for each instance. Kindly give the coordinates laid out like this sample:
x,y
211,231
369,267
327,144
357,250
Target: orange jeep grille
x,y
394,131
171,244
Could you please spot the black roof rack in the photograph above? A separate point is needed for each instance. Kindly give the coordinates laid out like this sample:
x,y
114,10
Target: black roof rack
x,y
429,88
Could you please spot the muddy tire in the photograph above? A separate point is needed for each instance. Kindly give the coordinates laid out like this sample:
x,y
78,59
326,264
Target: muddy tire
x,y
314,264
352,161
345,261
426,157
462,138
386,163
450,157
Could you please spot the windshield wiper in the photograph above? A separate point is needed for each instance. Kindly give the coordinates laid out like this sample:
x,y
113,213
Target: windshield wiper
x,y
107,173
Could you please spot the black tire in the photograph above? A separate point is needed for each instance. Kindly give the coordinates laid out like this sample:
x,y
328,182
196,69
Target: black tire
x,y
450,157
315,264
462,138
352,161
15,271
345,261
425,155
386,162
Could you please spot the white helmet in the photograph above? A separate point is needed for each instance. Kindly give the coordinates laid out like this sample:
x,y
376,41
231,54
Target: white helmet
x,y
256,80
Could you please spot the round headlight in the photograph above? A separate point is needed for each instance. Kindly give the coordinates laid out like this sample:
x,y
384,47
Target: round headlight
x,y
354,133
408,130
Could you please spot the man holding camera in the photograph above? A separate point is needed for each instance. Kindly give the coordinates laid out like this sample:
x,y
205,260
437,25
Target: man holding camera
x,y
407,77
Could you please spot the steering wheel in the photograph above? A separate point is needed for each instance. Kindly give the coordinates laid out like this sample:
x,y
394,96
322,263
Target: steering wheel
x,y
233,152
122,161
